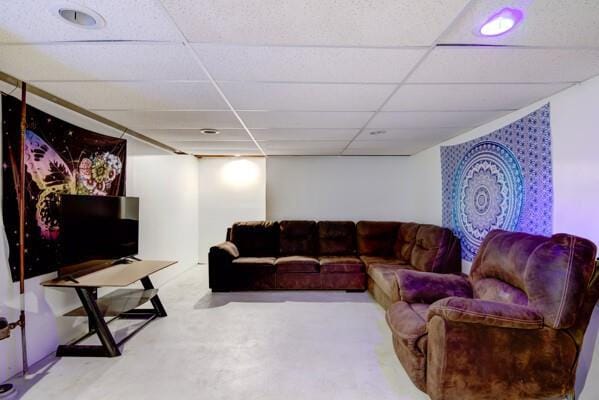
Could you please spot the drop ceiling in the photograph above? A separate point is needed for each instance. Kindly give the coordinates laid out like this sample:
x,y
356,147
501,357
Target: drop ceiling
x,y
311,77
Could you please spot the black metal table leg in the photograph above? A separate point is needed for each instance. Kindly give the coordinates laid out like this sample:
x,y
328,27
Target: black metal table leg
x,y
147,284
97,321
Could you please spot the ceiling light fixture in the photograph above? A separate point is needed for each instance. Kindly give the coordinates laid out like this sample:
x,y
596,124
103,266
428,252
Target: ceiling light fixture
x,y
501,22
209,132
78,15
375,133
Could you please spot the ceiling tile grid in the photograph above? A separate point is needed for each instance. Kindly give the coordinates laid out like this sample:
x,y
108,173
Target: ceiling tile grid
x,y
315,77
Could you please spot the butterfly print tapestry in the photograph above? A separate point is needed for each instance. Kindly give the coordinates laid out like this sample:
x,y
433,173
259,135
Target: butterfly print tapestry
x,y
60,158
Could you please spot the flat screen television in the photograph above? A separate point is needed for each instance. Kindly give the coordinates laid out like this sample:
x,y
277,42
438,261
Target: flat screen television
x,y
98,228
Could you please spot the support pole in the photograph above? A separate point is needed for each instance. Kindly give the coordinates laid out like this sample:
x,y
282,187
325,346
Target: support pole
x,y
21,201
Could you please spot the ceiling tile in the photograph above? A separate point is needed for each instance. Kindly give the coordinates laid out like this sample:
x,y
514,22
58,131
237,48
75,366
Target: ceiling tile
x,y
307,64
390,135
506,64
219,148
545,23
431,119
303,147
138,95
315,22
306,97
388,147
463,97
173,119
194,135
299,119
305,134
97,61
36,21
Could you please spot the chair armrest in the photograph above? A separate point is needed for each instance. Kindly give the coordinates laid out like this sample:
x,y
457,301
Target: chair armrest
x,y
428,287
484,312
227,248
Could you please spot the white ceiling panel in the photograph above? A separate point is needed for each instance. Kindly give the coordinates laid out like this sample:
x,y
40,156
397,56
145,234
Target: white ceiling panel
x,y
432,119
315,22
37,21
505,64
388,148
173,119
569,23
299,119
138,95
98,61
465,97
306,97
391,135
303,147
194,135
305,134
219,148
307,64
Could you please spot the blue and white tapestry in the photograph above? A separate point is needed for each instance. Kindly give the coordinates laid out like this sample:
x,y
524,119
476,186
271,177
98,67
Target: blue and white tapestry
x,y
500,181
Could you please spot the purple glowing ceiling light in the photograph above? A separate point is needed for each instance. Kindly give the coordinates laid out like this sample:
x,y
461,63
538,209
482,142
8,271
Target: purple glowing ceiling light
x,y
501,22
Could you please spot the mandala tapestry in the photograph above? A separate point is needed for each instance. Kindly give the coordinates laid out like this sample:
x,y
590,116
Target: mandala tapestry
x,y
500,181
60,158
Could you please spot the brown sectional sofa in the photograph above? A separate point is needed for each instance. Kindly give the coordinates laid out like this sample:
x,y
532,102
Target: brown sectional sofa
x,y
268,255
513,329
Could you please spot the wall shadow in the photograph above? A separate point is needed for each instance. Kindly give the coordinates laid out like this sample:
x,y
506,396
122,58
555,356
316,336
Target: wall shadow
x,y
213,300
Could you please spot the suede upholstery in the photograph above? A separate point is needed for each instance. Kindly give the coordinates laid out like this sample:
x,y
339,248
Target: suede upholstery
x,y
516,334
256,239
327,255
298,238
427,287
336,238
376,238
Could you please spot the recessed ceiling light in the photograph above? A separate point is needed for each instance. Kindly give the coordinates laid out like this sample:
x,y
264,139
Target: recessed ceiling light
x,y
77,15
375,133
179,152
501,22
209,132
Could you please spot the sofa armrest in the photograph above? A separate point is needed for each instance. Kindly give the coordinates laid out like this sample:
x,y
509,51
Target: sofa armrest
x,y
220,259
428,287
226,247
484,312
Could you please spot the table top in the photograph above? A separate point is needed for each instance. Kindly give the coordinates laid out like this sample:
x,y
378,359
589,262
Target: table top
x,y
120,275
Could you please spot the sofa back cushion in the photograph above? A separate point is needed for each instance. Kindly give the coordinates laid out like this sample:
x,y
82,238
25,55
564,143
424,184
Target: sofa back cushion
x,y
256,238
336,238
297,238
376,238
552,272
428,253
406,239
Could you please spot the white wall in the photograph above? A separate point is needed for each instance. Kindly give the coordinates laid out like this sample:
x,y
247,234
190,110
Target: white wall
x,y
575,144
575,147
341,188
230,189
167,187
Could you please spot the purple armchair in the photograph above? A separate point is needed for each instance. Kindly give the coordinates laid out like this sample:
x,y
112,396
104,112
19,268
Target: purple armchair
x,y
512,330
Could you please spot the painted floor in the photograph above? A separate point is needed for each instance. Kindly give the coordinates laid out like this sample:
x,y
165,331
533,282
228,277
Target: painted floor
x,y
255,345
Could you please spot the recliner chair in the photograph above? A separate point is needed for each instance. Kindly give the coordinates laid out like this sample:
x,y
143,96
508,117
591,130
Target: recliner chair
x,y
512,330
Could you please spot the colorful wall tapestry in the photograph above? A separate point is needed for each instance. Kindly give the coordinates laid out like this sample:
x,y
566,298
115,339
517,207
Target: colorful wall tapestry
x,y
59,158
500,181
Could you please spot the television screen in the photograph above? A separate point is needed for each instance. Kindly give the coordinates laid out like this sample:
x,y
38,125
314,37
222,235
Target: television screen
x,y
98,228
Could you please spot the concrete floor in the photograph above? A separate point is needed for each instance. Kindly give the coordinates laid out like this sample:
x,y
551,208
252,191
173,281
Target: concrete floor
x,y
258,345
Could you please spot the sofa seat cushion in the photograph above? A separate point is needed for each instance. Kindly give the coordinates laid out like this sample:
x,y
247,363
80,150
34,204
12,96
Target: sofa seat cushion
x,y
341,264
370,261
385,278
263,264
408,322
297,264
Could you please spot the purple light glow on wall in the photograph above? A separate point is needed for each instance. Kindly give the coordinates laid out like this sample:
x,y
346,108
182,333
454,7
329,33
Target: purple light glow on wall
x,y
501,22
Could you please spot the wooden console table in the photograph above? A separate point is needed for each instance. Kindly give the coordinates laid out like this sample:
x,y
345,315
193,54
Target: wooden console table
x,y
119,304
